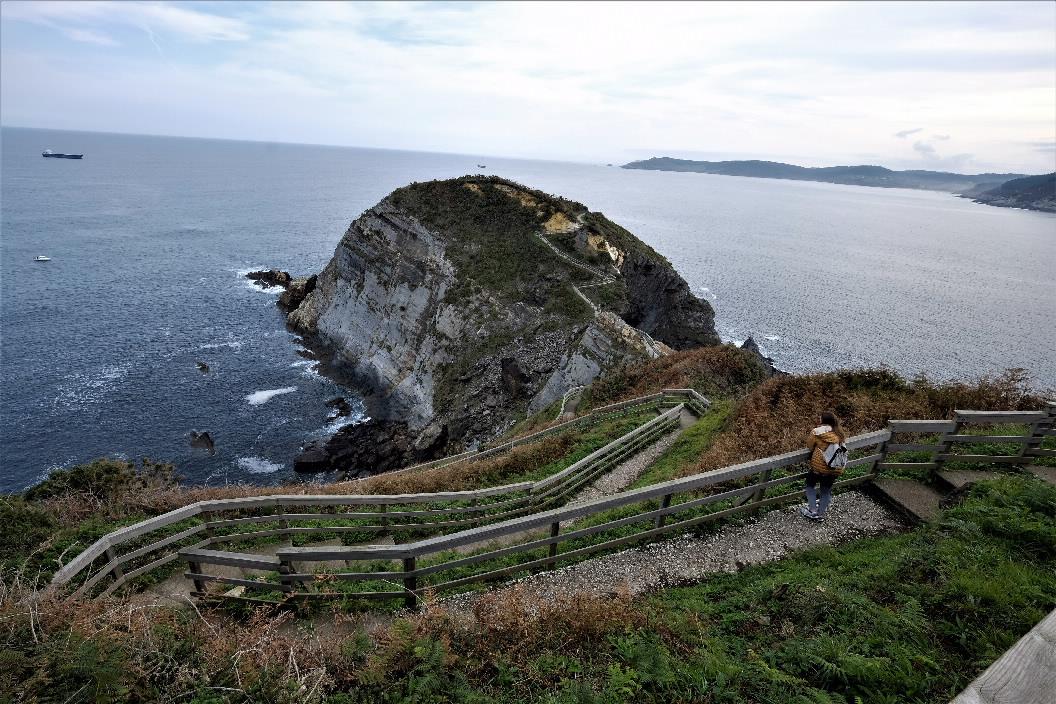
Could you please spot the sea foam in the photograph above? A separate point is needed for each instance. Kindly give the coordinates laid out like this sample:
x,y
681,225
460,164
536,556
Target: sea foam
x,y
258,465
258,397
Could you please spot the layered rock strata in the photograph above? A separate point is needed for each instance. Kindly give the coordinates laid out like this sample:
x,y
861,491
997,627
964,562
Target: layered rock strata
x,y
457,307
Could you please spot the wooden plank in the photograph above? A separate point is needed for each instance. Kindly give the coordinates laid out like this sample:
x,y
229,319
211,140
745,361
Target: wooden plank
x,y
912,447
343,596
1000,416
991,459
1041,452
622,440
231,559
868,459
247,583
1025,674
343,552
1018,439
906,465
921,426
122,559
346,576
136,572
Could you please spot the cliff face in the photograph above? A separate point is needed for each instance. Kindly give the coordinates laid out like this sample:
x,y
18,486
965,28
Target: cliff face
x,y
460,306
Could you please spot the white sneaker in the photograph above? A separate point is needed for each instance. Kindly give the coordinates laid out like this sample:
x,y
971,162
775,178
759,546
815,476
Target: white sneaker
x,y
807,513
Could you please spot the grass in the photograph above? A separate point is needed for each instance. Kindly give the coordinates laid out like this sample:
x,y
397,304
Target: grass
x,y
694,441
899,618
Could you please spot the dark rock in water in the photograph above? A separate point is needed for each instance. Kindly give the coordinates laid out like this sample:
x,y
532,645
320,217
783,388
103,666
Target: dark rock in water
x,y
313,458
296,292
750,345
374,447
203,441
269,278
202,367
341,407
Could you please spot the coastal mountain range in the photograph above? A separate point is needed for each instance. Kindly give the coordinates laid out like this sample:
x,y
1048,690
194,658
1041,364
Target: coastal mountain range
x,y
1008,190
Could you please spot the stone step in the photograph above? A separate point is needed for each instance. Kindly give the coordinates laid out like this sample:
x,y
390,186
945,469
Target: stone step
x,y
960,479
1045,474
918,501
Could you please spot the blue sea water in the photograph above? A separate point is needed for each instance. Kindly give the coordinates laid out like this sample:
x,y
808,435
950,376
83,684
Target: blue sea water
x,y
150,236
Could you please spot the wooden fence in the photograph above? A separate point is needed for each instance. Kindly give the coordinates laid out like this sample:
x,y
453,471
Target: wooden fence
x,y
652,511
125,554
527,514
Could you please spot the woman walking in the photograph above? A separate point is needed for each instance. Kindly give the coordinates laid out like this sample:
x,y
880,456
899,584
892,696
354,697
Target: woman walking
x,y
828,458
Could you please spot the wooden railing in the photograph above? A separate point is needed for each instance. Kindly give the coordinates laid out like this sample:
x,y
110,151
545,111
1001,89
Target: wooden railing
x,y
649,512
527,514
105,565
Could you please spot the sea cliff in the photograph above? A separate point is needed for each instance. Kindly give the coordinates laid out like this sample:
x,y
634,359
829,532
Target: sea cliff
x,y
458,307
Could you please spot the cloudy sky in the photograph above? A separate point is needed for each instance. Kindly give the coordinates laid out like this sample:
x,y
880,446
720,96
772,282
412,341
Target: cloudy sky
x,y
961,87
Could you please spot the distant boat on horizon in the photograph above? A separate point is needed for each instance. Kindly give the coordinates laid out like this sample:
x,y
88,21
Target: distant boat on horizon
x,y
482,166
41,258
47,153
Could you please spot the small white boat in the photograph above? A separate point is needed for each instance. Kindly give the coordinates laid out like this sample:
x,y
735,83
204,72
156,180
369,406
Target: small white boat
x,y
41,258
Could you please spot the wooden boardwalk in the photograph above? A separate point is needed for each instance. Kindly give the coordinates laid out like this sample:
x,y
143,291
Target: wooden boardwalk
x,y
1025,674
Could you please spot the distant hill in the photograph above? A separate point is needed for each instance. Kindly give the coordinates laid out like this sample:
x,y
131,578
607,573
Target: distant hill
x,y
1031,192
864,175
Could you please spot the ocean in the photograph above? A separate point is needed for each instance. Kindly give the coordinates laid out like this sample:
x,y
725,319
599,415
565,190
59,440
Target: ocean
x,y
149,238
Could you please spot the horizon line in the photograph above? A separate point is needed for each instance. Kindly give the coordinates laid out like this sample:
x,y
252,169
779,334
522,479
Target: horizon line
x,y
470,154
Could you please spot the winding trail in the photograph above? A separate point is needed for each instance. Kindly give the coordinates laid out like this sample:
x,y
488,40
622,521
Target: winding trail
x,y
690,558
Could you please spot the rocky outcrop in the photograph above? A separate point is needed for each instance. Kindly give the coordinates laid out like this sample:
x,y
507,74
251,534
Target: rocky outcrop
x,y
444,308
1029,192
269,278
750,345
296,291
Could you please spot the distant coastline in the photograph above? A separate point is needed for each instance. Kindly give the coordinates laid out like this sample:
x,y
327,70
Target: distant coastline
x,y
1009,190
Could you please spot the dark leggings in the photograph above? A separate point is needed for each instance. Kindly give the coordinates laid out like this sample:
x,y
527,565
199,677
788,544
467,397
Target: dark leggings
x,y
826,480
814,502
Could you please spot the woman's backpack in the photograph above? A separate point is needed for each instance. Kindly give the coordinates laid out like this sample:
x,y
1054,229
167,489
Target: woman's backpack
x,y
836,455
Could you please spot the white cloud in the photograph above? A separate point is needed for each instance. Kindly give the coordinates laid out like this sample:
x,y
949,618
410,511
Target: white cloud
x,y
569,80
72,17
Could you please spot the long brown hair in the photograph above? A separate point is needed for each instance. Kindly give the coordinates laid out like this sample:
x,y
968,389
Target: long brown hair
x,y
829,418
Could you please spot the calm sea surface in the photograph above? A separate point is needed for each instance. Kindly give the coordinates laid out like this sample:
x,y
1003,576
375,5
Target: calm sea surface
x,y
149,237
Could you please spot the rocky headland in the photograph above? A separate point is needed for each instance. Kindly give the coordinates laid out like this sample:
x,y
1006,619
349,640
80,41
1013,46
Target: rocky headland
x,y
1029,193
459,307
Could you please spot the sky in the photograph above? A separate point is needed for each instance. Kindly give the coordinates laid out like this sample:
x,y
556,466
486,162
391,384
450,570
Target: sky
x,y
964,87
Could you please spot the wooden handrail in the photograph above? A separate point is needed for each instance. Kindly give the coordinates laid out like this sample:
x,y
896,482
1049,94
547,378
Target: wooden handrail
x,y
506,516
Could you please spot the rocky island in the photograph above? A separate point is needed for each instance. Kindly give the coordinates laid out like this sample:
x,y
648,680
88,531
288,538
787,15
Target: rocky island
x,y
458,307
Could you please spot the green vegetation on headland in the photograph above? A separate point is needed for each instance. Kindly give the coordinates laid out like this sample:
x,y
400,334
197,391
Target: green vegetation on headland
x,y
1031,192
864,175
911,617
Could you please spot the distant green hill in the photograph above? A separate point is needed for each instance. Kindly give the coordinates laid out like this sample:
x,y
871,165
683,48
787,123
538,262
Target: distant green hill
x,y
864,175
1031,192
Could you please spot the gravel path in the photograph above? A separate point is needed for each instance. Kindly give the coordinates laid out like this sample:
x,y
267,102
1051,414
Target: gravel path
x,y
624,474
687,558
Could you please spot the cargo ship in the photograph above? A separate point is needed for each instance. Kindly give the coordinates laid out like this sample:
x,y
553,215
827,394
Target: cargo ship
x,y
47,153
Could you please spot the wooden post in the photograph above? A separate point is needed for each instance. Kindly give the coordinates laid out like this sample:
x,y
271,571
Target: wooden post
x,y
207,516
945,447
196,568
110,557
555,529
286,567
882,451
665,502
410,584
384,508
760,493
1037,434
